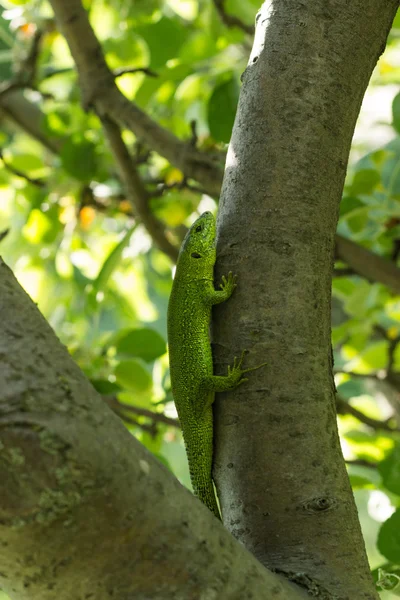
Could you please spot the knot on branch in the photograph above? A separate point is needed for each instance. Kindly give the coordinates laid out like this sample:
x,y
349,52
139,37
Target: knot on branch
x,y
319,504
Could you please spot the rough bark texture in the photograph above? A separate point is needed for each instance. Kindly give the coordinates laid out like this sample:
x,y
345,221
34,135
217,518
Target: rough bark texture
x,y
280,474
85,510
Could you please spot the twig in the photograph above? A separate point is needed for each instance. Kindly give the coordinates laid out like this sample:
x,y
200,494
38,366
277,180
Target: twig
x,y
135,190
362,462
194,136
231,20
27,71
4,234
151,429
114,403
36,182
26,74
391,352
344,408
345,272
393,343
377,375
180,185
125,70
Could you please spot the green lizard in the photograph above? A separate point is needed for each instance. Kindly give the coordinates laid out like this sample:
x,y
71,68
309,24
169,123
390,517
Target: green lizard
x,y
191,365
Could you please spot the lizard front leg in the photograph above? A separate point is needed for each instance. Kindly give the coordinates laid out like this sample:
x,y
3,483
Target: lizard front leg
x,y
224,383
212,296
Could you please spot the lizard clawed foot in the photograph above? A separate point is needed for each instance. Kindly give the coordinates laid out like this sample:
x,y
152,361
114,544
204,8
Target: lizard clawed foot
x,y
228,283
236,372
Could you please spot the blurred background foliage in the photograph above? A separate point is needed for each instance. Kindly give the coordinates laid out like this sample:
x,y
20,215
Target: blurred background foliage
x,y
70,235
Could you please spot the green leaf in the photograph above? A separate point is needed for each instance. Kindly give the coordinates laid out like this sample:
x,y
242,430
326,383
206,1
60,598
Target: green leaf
x,y
357,219
357,303
7,3
358,482
112,261
164,40
351,388
348,204
199,46
387,578
389,468
132,375
79,159
27,163
222,110
144,343
37,227
389,538
365,181
391,175
396,112
105,387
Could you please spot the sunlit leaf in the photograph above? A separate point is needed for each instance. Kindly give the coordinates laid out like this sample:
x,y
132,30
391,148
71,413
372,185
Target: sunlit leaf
x,y
222,110
112,261
396,112
389,538
79,159
390,471
132,375
144,343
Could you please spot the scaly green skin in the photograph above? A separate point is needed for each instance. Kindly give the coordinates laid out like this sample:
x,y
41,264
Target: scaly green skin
x,y
191,366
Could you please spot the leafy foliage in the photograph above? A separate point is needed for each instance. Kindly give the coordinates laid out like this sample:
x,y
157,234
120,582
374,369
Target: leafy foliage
x,y
76,246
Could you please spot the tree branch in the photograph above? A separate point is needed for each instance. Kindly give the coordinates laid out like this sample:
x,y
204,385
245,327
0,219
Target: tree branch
x,y
114,403
367,264
135,190
231,20
29,117
361,462
69,467
344,408
100,92
36,182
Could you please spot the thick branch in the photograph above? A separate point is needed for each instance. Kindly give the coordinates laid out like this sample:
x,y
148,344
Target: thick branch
x,y
100,91
28,117
367,264
84,508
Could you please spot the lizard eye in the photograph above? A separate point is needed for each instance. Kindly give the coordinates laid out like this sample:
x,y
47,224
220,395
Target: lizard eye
x,y
198,228
195,255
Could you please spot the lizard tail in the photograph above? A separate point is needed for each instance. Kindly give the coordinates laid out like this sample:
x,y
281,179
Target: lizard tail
x,y
199,448
206,494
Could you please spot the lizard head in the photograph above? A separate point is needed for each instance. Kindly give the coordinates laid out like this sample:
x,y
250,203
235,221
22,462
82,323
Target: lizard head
x,y
197,254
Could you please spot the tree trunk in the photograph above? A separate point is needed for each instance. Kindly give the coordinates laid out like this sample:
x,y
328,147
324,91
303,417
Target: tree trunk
x,y
280,474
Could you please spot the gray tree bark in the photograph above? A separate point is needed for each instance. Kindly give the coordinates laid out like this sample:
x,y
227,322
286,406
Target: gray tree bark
x,y
85,510
280,474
